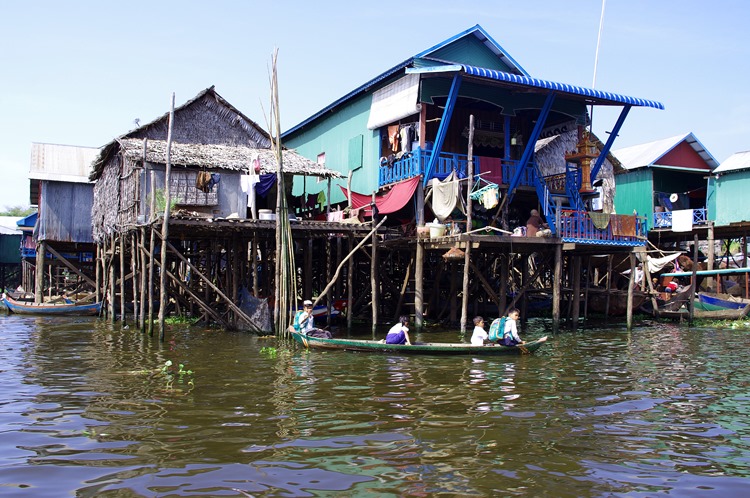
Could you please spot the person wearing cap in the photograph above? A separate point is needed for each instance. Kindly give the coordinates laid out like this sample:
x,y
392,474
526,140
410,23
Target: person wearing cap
x,y
304,322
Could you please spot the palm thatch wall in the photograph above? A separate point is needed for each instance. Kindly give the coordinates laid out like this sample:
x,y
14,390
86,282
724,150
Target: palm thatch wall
x,y
550,156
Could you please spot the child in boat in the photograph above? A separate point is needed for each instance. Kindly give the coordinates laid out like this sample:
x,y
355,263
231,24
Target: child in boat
x,y
479,335
304,322
399,333
510,331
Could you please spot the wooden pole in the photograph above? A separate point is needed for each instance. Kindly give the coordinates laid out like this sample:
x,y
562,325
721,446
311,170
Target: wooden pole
x,y
98,273
556,283
165,227
576,301
143,277
586,292
694,280
631,286
349,284
467,249
134,263
647,277
609,288
711,255
121,238
374,270
150,301
41,251
112,281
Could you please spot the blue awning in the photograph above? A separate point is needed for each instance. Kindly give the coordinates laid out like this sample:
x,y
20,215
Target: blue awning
x,y
589,94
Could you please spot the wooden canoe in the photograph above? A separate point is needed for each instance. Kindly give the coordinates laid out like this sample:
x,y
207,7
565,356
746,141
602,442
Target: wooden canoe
x,y
424,348
707,311
27,308
723,302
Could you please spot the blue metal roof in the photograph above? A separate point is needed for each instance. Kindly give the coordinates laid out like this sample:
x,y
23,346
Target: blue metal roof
x,y
589,93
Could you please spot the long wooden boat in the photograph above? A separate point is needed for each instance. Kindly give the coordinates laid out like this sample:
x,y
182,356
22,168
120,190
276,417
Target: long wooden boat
x,y
707,311
727,302
424,348
27,308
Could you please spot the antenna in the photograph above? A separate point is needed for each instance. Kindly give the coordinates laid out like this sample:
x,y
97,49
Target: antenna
x,y
596,62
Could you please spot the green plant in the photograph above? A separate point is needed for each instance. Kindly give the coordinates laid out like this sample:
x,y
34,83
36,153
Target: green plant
x,y
160,201
180,320
268,351
179,374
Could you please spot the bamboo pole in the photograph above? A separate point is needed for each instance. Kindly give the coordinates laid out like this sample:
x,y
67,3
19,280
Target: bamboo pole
x,y
349,283
467,250
151,258
112,281
134,263
121,240
374,269
556,283
143,276
165,227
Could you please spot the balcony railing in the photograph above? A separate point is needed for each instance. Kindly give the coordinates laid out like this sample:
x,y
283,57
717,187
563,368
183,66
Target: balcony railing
x,y
598,228
415,162
664,219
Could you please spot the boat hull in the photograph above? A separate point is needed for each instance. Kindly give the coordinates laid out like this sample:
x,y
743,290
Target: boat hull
x,y
724,303
431,348
62,309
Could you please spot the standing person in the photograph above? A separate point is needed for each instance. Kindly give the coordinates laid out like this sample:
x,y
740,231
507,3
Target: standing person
x,y
510,331
304,322
479,335
399,333
535,226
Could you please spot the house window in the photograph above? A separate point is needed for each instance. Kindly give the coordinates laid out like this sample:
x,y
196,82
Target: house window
x,y
183,189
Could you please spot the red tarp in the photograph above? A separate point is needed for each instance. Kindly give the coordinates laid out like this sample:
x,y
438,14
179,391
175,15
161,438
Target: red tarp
x,y
390,202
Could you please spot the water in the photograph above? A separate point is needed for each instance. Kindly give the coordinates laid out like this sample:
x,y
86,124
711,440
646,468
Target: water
x,y
87,411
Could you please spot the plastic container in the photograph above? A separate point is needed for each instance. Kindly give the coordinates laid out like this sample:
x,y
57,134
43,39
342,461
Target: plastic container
x,y
266,214
436,230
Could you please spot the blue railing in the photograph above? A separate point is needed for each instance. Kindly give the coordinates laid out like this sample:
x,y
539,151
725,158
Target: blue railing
x,y
414,164
664,219
509,168
613,229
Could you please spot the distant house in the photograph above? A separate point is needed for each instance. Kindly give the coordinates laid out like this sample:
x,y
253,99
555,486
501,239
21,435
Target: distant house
x,y
662,177
60,187
413,121
727,187
212,140
10,254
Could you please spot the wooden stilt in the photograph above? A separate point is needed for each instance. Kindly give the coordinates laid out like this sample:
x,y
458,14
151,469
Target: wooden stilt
x,y
586,292
112,282
136,271
694,280
350,286
609,288
143,277
374,271
41,252
556,283
576,301
97,287
150,302
165,227
631,287
121,241
467,248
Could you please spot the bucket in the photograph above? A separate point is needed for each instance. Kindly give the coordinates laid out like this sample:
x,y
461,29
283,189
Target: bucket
x,y
436,230
266,214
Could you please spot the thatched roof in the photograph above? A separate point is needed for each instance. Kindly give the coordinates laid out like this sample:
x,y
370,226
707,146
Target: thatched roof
x,y
231,157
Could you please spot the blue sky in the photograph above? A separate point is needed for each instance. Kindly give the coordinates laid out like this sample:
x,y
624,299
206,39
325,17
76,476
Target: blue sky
x,y
81,72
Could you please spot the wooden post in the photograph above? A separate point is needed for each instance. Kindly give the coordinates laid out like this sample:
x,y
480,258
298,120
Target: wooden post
x,y
586,291
576,291
112,281
349,285
556,283
307,272
98,273
41,251
711,255
121,238
504,277
467,249
694,280
647,277
374,270
165,228
143,276
609,288
150,302
631,285
136,271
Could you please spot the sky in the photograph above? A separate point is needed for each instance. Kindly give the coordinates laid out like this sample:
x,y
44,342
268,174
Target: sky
x,y
82,72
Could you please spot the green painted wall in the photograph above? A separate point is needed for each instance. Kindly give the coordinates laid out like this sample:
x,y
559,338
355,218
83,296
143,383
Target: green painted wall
x,y
634,192
469,50
731,201
337,135
10,251
711,199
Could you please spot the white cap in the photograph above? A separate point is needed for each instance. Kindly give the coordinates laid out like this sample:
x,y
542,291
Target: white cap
x,y
307,302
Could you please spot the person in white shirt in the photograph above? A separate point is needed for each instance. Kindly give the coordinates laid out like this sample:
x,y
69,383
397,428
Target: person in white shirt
x,y
479,335
510,332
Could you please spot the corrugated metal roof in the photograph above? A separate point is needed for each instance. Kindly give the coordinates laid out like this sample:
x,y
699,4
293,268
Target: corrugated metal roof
x,y
645,155
590,95
10,221
63,163
736,162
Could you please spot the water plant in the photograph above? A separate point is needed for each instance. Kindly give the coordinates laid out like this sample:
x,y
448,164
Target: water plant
x,y
179,374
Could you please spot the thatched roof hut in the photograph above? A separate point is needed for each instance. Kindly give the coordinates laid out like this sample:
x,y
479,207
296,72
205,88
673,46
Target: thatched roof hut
x,y
210,136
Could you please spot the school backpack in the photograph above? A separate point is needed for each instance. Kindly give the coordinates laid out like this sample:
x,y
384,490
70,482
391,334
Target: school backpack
x,y
497,329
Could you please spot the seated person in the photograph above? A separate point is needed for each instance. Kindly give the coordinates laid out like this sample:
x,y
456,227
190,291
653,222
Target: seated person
x,y
536,227
399,333
304,322
479,335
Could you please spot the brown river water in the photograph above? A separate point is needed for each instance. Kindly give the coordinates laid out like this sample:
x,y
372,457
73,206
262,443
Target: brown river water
x,y
87,411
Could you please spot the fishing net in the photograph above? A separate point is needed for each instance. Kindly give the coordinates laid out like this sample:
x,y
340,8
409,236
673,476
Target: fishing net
x,y
257,310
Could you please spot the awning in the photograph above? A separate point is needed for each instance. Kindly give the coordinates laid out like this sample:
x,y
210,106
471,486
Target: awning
x,y
390,202
395,101
589,94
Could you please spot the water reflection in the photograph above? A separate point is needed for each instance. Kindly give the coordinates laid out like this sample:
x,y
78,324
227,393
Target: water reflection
x,y
86,410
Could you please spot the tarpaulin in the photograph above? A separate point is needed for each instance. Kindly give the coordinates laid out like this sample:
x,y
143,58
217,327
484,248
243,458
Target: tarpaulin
x,y
390,202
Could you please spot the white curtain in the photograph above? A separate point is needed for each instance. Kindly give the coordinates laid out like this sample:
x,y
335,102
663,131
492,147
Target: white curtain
x,y
395,101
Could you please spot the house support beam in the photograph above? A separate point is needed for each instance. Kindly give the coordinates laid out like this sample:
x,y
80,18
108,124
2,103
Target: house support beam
x,y
443,129
608,145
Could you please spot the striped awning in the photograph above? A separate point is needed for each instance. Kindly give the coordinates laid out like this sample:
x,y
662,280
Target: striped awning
x,y
589,94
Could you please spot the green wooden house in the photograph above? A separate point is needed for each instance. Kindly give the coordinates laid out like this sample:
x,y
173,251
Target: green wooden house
x,y
727,188
409,125
662,177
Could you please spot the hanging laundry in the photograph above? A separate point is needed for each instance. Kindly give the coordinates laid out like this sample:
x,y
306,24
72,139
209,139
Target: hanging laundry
x,y
202,181
255,163
321,198
490,197
406,138
444,196
215,179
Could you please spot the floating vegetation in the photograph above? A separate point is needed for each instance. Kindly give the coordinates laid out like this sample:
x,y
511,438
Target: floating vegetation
x,y
177,374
